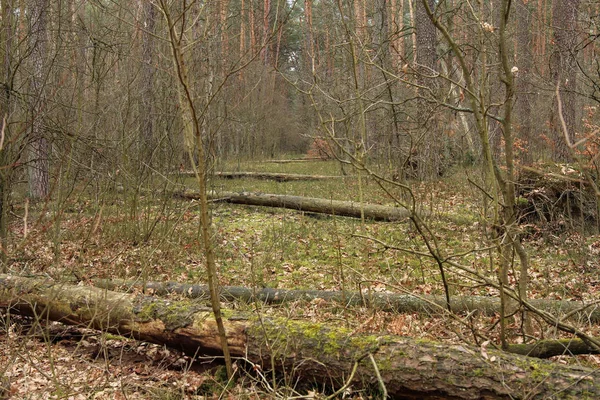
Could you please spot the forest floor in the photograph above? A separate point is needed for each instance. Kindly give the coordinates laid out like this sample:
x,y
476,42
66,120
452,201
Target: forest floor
x,y
99,232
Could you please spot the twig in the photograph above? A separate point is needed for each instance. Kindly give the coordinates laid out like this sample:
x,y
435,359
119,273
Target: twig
x,y
2,133
384,394
349,380
25,218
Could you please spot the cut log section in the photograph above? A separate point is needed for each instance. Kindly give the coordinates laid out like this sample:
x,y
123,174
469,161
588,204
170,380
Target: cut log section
x,y
307,353
309,204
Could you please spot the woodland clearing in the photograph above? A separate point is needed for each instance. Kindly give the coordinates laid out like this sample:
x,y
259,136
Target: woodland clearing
x,y
263,247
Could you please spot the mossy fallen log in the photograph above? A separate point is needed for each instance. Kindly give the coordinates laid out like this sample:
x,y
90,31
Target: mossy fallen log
x,y
279,177
294,160
390,302
553,347
309,204
306,353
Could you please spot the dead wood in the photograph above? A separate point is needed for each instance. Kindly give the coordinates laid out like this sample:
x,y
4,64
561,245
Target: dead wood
x,y
390,302
309,204
552,348
306,353
279,177
294,160
556,197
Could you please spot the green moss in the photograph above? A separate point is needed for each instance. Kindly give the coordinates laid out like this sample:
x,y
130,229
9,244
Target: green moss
x,y
174,314
110,336
221,374
384,363
284,335
423,341
147,312
227,313
538,369
366,343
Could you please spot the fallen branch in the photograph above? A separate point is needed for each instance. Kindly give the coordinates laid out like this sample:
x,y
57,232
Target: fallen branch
x,y
309,204
308,353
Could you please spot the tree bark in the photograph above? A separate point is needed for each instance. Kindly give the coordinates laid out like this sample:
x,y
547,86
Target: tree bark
x,y
525,97
309,55
147,97
426,39
564,74
264,52
426,65
310,204
390,302
552,348
310,354
6,148
39,151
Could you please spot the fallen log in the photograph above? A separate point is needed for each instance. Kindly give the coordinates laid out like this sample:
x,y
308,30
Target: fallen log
x,y
279,177
553,347
310,204
295,160
390,302
306,353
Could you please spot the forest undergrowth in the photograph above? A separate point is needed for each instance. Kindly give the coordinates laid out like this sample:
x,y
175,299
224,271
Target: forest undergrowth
x,y
150,236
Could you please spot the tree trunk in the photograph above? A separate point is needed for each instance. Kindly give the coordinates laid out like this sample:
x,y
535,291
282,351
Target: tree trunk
x,y
6,160
252,27
264,52
309,54
390,302
310,204
426,38
552,348
432,148
299,160
279,177
525,88
309,354
147,98
39,150
564,73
